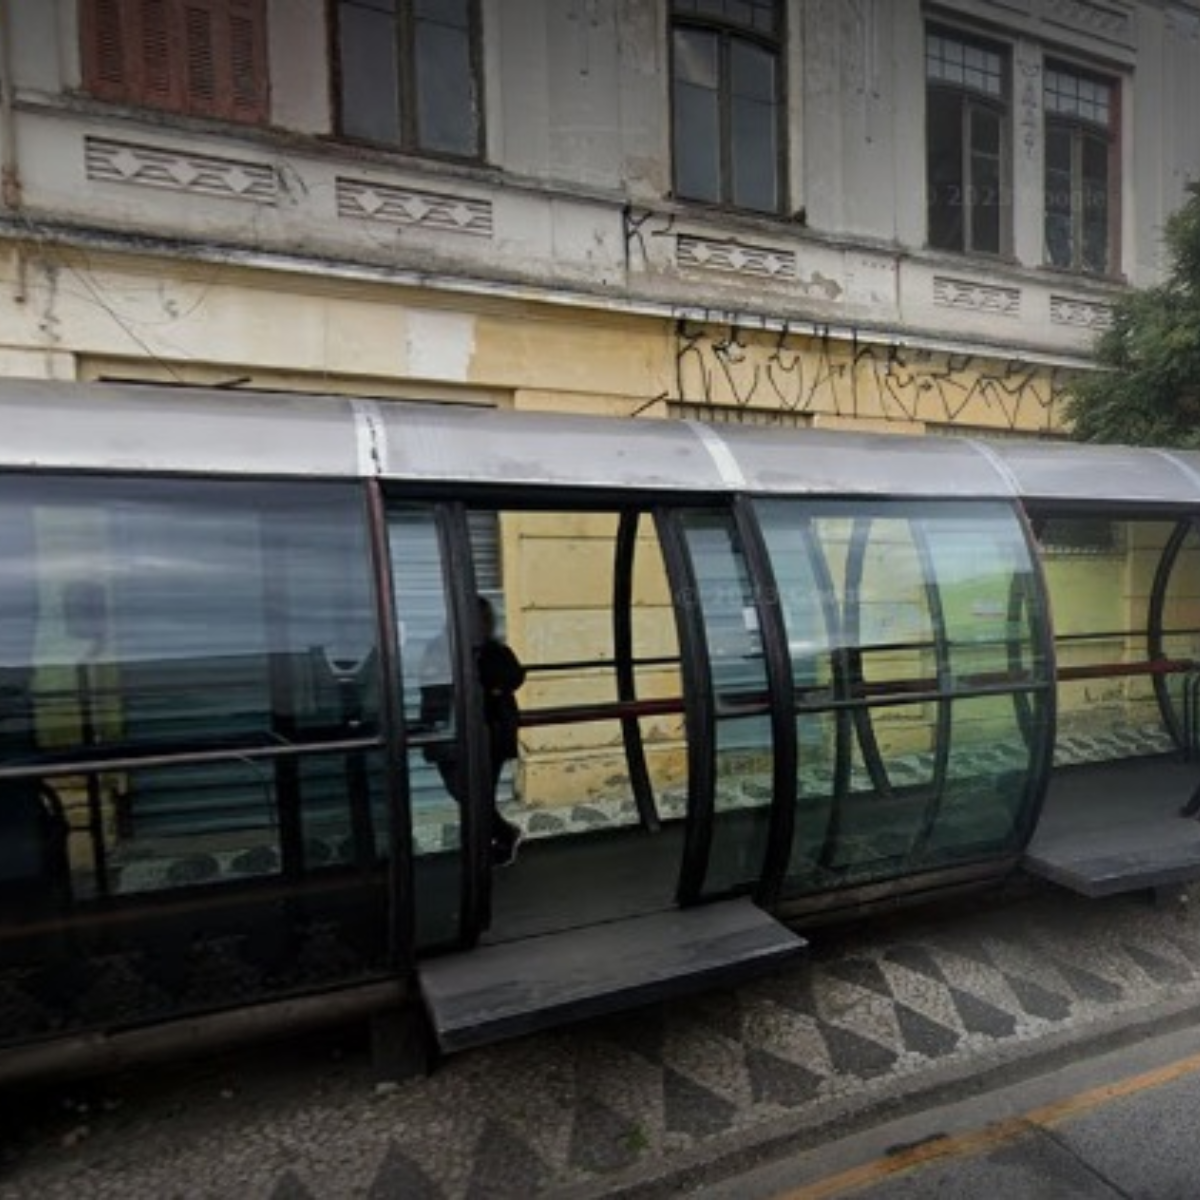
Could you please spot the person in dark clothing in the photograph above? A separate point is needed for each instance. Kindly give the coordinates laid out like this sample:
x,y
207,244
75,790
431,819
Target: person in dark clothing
x,y
500,677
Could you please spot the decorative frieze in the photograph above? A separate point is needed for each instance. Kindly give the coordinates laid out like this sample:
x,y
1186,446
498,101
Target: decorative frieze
x,y
763,262
392,205
110,161
976,297
1183,23
1102,20
1084,314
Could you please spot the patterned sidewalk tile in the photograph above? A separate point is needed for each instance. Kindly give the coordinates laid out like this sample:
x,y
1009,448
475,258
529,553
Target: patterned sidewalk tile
x,y
873,1006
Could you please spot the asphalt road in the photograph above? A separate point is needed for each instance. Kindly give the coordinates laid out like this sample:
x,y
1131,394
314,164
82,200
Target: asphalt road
x,y
1125,1124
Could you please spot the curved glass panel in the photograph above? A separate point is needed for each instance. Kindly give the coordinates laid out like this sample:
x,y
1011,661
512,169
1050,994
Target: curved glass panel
x,y
166,618
1181,634
920,683
744,745
1101,574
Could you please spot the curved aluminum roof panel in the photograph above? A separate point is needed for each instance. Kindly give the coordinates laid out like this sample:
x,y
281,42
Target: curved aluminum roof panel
x,y
114,427
477,445
1067,472
822,462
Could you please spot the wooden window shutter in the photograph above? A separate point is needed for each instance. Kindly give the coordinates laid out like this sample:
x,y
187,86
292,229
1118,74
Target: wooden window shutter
x,y
202,57
106,34
249,86
156,52
202,51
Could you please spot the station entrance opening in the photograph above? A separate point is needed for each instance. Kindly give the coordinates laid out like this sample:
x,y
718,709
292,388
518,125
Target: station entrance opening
x,y
1125,790
760,700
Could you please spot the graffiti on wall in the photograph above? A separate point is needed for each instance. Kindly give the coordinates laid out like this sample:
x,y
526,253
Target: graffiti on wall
x,y
807,371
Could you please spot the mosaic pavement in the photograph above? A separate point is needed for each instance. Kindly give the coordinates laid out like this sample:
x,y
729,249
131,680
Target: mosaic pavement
x,y
883,1008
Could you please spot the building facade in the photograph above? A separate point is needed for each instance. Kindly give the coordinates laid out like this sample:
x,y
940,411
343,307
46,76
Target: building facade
x,y
867,214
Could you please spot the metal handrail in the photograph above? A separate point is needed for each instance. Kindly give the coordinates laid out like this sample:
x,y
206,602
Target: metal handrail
x,y
59,768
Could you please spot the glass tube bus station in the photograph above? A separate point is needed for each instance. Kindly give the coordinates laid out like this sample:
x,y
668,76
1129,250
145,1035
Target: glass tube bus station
x,y
771,679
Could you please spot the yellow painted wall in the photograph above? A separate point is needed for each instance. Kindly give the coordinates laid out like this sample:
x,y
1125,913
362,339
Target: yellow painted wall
x,y
106,315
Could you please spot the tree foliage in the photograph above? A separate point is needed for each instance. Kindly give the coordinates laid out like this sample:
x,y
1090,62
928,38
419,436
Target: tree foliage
x,y
1147,391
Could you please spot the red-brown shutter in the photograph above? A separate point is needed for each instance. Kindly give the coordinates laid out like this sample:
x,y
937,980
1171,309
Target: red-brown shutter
x,y
105,32
202,57
249,82
158,83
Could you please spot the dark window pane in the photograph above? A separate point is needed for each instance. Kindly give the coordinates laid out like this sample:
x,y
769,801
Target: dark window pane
x,y
1060,200
697,144
949,60
1058,148
1095,245
755,156
1058,239
446,12
754,150
986,204
697,129
752,71
1095,203
696,58
447,118
1095,161
369,89
1095,229
1058,192
944,116
985,131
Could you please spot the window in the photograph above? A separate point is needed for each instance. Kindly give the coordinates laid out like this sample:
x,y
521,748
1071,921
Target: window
x,y
408,74
967,141
203,58
726,94
1081,174
220,638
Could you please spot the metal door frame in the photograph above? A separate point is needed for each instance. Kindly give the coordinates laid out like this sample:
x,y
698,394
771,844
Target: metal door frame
x,y
700,716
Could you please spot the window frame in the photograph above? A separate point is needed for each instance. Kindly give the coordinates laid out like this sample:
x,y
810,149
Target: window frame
x,y
726,31
1078,129
405,100
970,100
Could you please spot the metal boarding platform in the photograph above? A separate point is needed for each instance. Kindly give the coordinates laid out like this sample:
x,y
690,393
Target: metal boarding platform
x,y
514,988
1118,827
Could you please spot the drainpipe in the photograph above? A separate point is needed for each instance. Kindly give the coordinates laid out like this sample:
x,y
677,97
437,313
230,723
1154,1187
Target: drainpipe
x,y
10,177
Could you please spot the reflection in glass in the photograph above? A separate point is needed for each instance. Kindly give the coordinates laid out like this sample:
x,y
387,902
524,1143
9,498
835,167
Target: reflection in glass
x,y
1100,576
368,79
744,745
912,631
174,617
425,638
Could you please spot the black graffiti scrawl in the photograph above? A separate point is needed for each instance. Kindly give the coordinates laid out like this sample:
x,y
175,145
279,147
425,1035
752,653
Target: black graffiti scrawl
x,y
807,371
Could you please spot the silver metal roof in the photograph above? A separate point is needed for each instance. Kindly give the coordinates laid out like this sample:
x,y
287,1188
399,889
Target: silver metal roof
x,y
114,427
134,428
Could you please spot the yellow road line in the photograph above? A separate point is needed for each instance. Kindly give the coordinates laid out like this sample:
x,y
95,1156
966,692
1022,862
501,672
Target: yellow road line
x,y
991,1136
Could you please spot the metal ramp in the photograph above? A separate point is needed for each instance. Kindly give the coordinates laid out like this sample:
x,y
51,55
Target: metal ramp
x,y
1116,827
504,991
